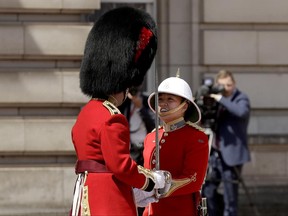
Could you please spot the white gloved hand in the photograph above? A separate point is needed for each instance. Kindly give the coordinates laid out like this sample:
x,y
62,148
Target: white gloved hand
x,y
143,198
159,179
160,192
147,201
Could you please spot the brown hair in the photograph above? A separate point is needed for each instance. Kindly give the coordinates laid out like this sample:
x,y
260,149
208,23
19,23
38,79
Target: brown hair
x,y
223,74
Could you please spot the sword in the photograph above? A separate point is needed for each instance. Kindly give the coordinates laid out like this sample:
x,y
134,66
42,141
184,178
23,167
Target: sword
x,y
157,149
168,177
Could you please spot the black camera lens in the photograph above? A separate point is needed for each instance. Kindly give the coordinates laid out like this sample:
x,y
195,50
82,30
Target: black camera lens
x,y
133,91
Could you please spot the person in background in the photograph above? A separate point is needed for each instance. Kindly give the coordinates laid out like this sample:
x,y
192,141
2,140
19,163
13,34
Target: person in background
x,y
183,150
140,118
118,52
230,151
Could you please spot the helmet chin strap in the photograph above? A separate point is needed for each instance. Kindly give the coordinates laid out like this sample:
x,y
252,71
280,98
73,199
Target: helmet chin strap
x,y
163,114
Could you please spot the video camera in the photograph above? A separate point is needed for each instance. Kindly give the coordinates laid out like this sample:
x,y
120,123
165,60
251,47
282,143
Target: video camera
x,y
134,90
208,106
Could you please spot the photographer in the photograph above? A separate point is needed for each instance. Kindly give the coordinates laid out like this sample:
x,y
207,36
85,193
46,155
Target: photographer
x,y
230,149
140,119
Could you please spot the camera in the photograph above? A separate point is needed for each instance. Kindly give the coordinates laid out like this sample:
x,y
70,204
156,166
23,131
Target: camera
x,y
133,90
208,106
208,87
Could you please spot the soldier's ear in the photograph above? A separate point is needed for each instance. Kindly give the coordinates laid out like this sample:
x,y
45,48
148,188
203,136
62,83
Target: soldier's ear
x,y
186,106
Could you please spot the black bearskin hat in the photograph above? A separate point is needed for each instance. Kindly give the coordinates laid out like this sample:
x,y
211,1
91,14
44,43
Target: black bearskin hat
x,y
119,50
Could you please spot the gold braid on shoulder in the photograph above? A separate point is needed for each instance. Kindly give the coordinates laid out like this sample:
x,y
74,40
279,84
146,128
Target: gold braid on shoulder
x,y
195,126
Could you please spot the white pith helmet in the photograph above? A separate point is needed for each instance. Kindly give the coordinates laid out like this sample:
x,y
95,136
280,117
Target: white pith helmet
x,y
179,87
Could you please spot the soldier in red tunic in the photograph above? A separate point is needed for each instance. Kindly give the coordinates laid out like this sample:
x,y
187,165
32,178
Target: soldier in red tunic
x,y
119,50
183,149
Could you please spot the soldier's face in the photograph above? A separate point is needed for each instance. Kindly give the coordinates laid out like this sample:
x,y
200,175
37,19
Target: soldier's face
x,y
168,107
168,101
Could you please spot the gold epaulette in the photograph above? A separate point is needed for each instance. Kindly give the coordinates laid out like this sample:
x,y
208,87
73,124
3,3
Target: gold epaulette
x,y
112,109
195,126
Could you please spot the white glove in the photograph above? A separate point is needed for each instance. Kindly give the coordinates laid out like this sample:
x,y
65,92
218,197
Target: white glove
x,y
145,202
159,179
143,198
160,192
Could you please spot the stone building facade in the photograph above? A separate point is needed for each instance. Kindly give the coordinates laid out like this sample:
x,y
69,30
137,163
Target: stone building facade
x,y
41,45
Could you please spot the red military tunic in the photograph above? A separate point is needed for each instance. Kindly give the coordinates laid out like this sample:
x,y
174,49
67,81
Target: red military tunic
x,y
103,136
184,153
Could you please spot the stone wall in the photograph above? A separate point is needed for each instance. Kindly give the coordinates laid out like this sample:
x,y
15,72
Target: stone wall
x,y
40,53
41,47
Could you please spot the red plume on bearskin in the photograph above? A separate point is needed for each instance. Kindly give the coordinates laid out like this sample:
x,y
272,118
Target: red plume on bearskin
x,y
119,50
